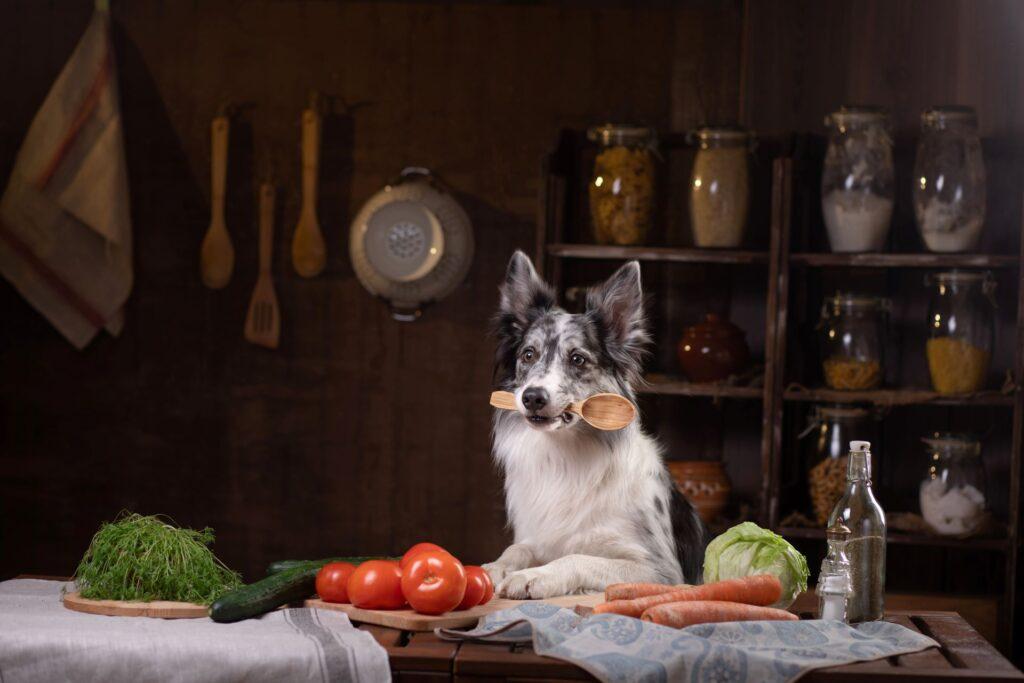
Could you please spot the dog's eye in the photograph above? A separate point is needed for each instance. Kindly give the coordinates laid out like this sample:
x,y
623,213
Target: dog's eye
x,y
529,355
577,359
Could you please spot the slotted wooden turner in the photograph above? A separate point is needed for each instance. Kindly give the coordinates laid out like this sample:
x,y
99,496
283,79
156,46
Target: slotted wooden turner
x,y
263,323
608,412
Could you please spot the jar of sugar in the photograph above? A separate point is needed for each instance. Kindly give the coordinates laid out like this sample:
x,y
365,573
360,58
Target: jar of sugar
x,y
857,181
952,494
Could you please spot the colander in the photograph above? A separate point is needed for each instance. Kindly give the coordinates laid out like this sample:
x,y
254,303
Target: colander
x,y
411,243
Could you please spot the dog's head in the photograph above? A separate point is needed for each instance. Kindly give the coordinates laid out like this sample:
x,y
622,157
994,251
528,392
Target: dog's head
x,y
550,358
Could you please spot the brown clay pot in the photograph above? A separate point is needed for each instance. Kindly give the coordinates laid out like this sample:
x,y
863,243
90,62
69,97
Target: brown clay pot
x,y
705,485
713,350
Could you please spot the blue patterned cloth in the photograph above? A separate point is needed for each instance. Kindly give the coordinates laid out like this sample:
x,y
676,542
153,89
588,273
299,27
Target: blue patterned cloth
x,y
617,648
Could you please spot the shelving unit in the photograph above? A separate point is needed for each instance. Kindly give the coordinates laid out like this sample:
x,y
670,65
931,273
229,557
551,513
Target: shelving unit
x,y
776,393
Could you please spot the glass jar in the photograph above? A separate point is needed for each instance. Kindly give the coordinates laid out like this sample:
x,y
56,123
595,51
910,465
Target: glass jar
x,y
949,180
720,186
961,330
952,493
832,428
857,186
622,187
852,336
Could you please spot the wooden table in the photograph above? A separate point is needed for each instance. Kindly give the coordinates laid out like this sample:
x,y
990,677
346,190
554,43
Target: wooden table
x,y
964,656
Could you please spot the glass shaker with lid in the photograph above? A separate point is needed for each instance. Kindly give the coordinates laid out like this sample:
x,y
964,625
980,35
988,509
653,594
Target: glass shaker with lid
x,y
852,341
834,582
961,330
952,494
832,428
720,186
949,180
857,186
622,186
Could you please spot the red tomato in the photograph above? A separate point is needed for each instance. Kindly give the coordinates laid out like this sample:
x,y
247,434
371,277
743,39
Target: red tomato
x,y
332,581
376,584
488,584
434,582
478,587
416,550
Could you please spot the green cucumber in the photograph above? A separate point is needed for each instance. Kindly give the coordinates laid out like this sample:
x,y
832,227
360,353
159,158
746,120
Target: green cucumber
x,y
282,565
266,594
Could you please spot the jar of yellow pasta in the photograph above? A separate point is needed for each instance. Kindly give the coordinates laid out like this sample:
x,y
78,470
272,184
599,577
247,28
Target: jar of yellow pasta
x,y
961,330
622,187
852,341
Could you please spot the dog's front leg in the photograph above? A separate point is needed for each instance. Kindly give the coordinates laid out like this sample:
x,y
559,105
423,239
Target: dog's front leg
x,y
517,556
573,574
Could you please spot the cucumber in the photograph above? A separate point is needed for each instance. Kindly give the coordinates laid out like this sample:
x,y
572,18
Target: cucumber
x,y
282,565
266,594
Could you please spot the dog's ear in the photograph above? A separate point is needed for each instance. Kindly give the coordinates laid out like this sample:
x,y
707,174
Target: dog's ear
x,y
524,294
617,306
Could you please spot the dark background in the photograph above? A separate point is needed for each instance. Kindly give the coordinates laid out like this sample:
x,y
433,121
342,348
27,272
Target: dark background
x,y
360,434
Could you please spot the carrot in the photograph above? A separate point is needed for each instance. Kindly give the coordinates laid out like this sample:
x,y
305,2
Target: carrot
x,y
682,614
630,591
762,589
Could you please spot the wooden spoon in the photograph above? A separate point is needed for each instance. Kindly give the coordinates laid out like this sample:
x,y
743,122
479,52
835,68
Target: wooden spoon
x,y
263,322
309,255
608,412
217,256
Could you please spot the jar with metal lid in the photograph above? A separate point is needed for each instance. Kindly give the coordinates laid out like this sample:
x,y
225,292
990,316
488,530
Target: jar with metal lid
x,y
857,180
961,330
852,341
952,494
949,180
622,186
830,429
720,186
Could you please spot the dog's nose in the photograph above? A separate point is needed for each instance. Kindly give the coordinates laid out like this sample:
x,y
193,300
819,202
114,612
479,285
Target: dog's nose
x,y
535,398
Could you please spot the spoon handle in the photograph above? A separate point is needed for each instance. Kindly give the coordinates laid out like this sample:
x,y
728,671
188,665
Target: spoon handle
x,y
503,399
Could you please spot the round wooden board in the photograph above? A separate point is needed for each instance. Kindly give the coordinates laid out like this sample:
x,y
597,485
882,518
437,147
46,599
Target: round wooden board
x,y
160,609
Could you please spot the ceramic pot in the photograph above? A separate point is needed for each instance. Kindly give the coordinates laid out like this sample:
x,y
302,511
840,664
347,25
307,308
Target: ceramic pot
x,y
713,350
705,485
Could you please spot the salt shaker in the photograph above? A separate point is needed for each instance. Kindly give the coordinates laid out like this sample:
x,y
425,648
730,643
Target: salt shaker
x,y
834,584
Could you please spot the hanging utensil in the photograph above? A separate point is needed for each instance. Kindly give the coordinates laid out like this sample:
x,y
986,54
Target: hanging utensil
x,y
608,412
217,256
309,255
263,322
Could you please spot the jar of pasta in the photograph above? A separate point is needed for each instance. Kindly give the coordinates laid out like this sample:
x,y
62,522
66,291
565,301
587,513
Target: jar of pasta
x,y
952,494
622,187
852,341
830,431
961,330
720,186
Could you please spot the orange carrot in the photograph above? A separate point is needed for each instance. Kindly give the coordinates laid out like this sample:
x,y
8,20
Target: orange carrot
x,y
682,614
762,589
631,591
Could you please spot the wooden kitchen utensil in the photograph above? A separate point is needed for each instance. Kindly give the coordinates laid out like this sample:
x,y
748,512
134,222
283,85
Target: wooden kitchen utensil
x,y
217,256
263,323
162,609
608,412
309,255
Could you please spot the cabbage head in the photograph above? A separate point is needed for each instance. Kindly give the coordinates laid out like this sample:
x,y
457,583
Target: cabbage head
x,y
747,549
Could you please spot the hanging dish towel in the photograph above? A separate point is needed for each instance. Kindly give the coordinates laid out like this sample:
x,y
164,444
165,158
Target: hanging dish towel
x,y
65,230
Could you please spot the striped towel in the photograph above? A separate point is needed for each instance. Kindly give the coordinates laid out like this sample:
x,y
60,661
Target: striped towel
x,y
65,229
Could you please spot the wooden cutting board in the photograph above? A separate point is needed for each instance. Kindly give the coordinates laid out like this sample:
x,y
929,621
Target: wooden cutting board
x,y
161,609
407,620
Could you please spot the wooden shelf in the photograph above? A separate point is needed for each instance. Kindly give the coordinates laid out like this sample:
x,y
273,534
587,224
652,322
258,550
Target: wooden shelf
x,y
1000,544
923,260
669,254
665,385
899,397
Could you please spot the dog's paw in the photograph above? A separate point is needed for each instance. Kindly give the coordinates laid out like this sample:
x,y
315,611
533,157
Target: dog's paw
x,y
533,584
497,571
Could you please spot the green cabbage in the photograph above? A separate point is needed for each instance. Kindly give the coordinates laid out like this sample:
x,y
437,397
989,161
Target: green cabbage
x,y
747,549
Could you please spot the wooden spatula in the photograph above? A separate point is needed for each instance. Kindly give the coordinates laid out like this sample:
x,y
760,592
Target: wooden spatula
x,y
309,255
263,323
608,412
217,256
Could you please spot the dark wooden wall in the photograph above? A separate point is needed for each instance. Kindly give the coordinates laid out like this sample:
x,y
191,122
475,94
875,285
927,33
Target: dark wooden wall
x,y
360,434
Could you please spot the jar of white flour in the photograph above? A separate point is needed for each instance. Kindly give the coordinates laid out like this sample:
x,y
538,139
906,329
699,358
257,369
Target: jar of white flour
x,y
952,494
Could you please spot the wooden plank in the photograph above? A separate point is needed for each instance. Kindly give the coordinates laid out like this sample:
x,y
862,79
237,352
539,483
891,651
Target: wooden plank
x,y
666,385
961,644
504,661
926,659
667,254
922,260
1016,456
901,397
423,652
158,609
1000,544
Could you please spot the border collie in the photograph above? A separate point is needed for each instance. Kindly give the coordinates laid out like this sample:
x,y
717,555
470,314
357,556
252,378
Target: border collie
x,y
588,508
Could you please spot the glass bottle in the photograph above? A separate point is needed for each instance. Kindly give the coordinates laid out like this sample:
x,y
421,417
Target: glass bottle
x,y
852,336
949,180
863,516
961,330
622,186
857,186
834,583
952,493
720,186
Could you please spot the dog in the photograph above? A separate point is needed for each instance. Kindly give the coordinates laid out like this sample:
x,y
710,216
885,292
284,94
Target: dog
x,y
588,508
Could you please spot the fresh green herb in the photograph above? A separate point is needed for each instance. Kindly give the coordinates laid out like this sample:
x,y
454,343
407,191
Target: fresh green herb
x,y
139,558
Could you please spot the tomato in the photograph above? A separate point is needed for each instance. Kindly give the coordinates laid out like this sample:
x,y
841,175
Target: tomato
x,y
416,550
376,584
488,584
434,582
478,587
332,581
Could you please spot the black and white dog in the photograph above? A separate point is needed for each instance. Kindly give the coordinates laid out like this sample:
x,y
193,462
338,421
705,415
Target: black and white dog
x,y
588,508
